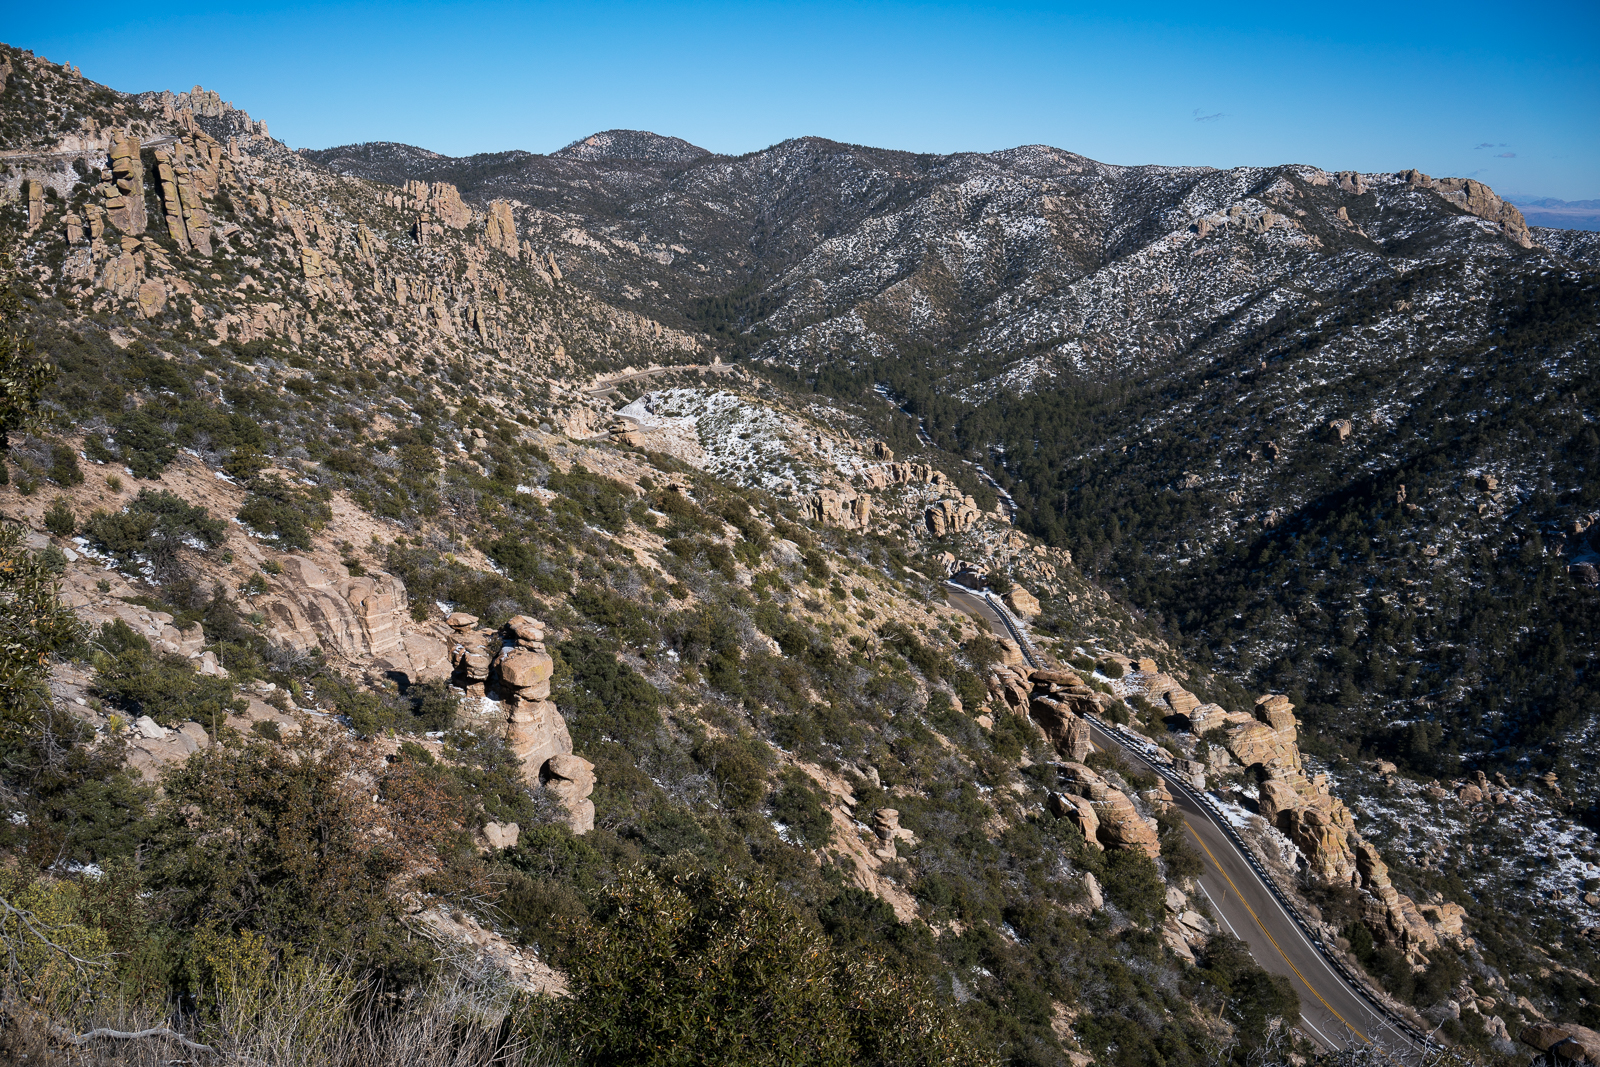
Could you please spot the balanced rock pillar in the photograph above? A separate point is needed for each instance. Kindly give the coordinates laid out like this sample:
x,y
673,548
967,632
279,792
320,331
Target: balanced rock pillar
x,y
535,729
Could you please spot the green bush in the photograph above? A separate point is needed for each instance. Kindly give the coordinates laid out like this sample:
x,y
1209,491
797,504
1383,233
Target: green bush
x,y
34,626
166,688
145,446
60,520
704,968
601,697
153,527
64,469
738,766
798,805
277,509
1253,997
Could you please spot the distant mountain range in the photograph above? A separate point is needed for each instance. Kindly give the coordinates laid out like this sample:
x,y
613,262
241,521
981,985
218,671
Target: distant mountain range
x,y
1559,214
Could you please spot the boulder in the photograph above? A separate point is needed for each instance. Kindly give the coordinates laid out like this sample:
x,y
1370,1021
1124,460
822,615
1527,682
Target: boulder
x,y
1022,602
536,732
1120,824
1568,1041
1078,811
526,671
501,834
525,630
1061,725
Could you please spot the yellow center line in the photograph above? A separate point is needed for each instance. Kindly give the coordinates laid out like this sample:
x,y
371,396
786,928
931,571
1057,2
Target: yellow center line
x,y
1263,927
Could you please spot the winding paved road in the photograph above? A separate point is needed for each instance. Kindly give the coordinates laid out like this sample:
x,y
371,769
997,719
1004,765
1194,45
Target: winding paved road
x,y
1333,1011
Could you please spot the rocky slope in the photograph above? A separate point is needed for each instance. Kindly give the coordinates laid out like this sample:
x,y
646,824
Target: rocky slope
x,y
487,491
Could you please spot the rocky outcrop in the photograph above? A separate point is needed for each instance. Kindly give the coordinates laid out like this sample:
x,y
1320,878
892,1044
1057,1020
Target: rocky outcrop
x,y
357,619
1478,199
124,194
829,507
501,834
1392,916
471,654
1302,808
570,779
887,829
950,516
188,224
1268,741
33,191
519,674
500,228
1022,602
1168,695
1117,824
1566,1041
535,730
1057,704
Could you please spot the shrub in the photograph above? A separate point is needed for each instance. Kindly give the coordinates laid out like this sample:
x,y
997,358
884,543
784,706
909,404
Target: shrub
x,y
797,804
738,766
705,968
166,688
64,468
601,697
153,527
276,509
280,840
60,520
146,448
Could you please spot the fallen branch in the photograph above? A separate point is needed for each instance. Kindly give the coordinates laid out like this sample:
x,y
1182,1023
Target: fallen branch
x,y
134,1035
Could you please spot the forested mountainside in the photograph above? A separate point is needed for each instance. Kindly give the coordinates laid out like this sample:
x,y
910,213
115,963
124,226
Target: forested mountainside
x,y
499,605
1210,385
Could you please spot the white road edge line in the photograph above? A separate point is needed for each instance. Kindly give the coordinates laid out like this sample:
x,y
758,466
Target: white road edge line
x,y
1218,909
1319,1033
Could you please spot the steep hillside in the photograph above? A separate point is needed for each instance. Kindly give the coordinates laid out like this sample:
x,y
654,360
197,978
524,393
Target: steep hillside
x,y
420,626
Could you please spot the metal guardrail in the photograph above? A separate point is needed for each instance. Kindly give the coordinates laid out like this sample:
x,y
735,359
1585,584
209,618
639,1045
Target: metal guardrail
x,y
1143,748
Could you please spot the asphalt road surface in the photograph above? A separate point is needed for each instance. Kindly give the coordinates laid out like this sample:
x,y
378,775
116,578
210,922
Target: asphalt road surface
x,y
1332,1012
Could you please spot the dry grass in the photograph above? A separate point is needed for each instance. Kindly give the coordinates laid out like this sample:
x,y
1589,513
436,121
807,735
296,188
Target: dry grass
x,y
314,1016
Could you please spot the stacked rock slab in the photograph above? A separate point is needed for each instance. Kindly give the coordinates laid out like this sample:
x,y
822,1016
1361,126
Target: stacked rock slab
x,y
470,658
1392,916
886,827
1105,814
535,729
1059,700
125,194
571,779
1302,808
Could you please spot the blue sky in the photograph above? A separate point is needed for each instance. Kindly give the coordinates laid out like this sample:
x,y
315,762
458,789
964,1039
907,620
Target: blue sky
x,y
1508,95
